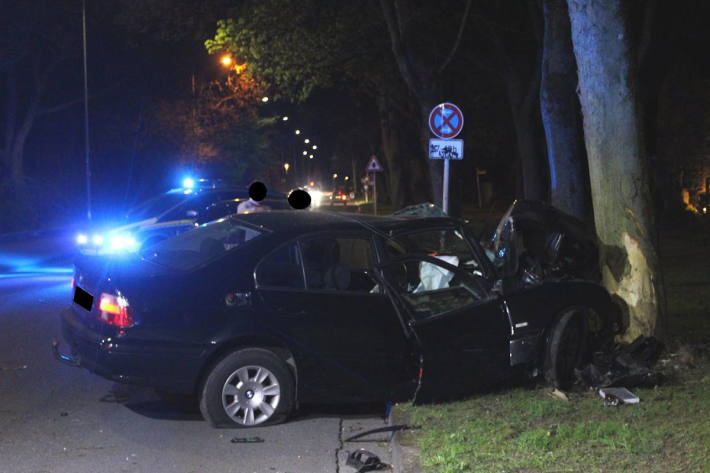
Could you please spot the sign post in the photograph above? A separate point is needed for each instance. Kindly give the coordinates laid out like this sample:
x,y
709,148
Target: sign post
x,y
446,122
372,168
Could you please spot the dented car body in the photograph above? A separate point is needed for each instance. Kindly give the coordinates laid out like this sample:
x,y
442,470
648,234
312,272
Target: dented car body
x,y
256,313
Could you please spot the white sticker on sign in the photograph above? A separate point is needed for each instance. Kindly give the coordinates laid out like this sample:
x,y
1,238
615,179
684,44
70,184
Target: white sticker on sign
x,y
445,149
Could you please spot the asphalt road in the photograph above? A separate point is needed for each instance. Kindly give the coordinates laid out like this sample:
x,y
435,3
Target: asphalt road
x,y
59,419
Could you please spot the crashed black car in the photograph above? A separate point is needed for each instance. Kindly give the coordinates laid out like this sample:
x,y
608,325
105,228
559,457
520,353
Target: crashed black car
x,y
256,313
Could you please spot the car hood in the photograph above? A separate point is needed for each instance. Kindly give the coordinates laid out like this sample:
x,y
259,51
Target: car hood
x,y
562,245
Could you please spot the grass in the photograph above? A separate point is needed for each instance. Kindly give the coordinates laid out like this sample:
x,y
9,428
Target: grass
x,y
524,430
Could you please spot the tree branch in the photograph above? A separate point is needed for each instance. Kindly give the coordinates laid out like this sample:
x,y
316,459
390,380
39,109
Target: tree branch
x,y
462,26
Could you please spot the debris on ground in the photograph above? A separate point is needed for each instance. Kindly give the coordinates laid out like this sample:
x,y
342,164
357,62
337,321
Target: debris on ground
x,y
557,394
247,440
363,460
614,397
629,365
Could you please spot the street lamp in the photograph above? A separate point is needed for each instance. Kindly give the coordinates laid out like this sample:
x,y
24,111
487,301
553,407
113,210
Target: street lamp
x,y
335,175
307,141
305,152
226,60
298,132
285,119
287,166
310,156
265,99
315,147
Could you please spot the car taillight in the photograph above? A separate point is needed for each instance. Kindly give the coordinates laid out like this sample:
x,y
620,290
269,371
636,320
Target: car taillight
x,y
114,310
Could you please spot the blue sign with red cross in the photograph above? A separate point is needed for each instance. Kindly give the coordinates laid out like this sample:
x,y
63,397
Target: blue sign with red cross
x,y
446,120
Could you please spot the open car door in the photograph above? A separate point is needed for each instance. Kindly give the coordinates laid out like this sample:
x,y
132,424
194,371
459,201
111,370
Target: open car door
x,y
461,327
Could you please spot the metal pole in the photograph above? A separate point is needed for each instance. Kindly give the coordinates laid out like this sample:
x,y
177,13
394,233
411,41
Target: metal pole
x,y
374,190
445,200
86,116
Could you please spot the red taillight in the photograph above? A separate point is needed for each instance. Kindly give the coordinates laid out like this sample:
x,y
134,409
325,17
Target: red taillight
x,y
114,310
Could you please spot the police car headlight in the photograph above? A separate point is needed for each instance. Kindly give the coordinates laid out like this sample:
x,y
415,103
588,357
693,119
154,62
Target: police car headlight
x,y
82,239
123,242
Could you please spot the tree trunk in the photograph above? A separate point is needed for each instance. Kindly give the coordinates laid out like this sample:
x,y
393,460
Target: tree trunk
x,y
392,152
561,115
523,105
617,165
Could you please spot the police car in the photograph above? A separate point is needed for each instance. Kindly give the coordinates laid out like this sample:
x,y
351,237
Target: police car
x,y
158,218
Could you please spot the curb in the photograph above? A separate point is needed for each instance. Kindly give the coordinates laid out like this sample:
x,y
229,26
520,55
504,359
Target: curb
x,y
405,457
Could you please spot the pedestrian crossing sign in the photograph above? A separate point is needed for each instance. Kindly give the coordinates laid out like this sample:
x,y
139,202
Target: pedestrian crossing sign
x,y
374,165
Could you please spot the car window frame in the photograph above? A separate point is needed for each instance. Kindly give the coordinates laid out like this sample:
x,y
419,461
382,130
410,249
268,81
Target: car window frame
x,y
486,267
360,234
258,286
487,293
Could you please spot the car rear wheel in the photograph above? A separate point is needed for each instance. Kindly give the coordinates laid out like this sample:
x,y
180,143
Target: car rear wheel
x,y
247,388
566,346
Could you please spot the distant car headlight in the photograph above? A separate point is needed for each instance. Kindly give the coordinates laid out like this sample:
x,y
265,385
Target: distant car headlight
x,y
316,197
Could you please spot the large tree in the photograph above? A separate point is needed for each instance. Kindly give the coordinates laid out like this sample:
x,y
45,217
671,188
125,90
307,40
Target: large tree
x,y
561,114
617,162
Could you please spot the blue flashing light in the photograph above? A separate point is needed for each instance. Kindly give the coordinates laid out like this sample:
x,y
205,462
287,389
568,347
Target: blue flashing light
x,y
188,183
82,239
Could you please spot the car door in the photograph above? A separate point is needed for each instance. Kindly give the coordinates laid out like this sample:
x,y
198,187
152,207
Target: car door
x,y
350,341
462,327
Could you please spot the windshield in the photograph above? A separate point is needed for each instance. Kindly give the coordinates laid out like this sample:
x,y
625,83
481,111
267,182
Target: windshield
x,y
196,247
156,206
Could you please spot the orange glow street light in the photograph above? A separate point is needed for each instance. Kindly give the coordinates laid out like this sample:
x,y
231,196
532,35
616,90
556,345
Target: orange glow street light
x,y
226,60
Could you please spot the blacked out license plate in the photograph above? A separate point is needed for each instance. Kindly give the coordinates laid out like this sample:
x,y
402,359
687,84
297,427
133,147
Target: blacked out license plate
x,y
83,298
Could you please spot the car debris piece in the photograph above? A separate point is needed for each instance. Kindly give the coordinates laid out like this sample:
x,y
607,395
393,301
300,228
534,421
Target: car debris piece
x,y
628,365
557,394
247,440
617,396
364,460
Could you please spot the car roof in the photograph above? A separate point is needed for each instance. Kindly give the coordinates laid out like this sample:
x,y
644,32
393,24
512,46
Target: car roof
x,y
309,221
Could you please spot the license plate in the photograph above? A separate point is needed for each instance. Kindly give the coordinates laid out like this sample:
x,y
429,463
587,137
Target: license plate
x,y
83,298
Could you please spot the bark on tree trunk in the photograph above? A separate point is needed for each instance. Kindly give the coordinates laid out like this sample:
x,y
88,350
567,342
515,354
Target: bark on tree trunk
x,y
392,153
617,166
521,97
561,115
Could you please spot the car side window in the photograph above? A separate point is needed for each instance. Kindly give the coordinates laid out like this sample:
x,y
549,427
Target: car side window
x,y
441,242
339,263
281,269
430,288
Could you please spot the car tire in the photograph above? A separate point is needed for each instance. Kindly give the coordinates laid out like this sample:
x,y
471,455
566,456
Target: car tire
x,y
247,388
566,346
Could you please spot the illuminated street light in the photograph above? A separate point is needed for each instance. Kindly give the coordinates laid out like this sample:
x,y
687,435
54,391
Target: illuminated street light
x,y
347,178
306,141
315,147
226,60
305,152
265,99
335,175
298,132
310,156
285,119
287,166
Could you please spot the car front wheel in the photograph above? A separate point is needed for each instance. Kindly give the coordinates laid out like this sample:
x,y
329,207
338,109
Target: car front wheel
x,y
247,388
566,345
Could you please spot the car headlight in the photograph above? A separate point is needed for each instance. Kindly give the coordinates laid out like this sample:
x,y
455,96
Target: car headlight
x,y
82,239
123,242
